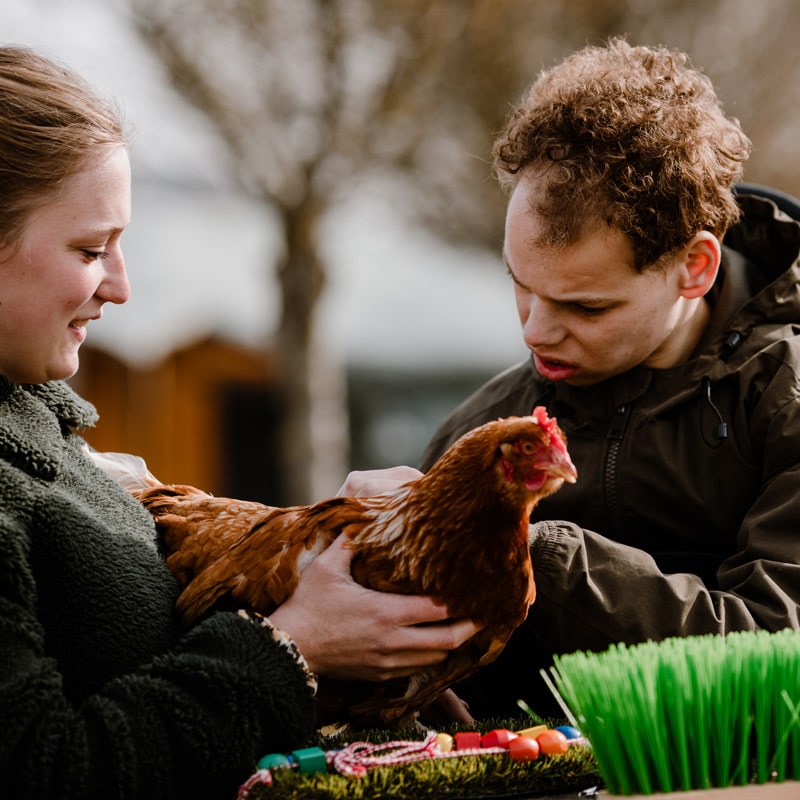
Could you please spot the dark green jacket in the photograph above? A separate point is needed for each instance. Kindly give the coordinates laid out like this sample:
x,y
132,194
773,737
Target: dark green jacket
x,y
676,525
101,695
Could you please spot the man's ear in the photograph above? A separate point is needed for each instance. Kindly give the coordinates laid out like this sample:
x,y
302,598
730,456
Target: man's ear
x,y
700,264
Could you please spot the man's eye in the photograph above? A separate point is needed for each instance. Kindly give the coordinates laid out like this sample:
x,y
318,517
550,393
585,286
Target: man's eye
x,y
589,311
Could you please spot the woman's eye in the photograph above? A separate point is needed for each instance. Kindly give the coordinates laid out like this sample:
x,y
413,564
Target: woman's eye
x,y
94,255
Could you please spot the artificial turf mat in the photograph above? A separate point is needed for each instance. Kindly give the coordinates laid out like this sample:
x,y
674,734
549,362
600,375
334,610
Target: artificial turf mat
x,y
465,778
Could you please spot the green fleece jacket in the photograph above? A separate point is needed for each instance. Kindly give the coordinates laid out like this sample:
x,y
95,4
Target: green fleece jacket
x,y
101,694
685,518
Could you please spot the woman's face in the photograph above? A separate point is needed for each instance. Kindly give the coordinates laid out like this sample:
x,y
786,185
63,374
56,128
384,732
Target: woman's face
x,y
61,271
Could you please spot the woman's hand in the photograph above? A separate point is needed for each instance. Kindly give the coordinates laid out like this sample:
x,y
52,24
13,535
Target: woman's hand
x,y
348,632
367,483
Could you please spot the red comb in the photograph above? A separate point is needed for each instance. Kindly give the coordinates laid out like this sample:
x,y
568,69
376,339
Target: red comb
x,y
540,415
549,425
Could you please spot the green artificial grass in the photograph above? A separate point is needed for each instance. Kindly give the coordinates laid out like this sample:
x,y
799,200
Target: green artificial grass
x,y
688,713
679,715
484,776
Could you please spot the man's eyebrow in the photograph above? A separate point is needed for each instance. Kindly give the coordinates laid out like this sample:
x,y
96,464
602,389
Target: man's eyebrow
x,y
511,271
588,300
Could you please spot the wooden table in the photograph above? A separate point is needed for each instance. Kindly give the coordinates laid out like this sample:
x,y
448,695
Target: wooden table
x,y
787,790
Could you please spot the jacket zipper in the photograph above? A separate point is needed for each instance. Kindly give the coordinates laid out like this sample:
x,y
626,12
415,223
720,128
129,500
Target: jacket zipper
x,y
615,434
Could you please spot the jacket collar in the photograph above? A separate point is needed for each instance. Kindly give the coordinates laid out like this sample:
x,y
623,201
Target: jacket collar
x,y
34,421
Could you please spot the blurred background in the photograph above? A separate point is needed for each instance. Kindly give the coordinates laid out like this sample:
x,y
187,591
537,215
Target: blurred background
x,y
314,251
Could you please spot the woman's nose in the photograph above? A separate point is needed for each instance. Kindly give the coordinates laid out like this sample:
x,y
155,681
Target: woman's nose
x,y
115,287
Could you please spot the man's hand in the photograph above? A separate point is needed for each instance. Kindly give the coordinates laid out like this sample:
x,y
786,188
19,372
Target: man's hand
x,y
367,483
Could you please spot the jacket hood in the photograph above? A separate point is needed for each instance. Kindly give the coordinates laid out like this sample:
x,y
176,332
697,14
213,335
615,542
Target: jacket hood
x,y
760,281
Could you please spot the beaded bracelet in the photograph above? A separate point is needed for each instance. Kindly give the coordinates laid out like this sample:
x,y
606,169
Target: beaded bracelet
x,y
356,758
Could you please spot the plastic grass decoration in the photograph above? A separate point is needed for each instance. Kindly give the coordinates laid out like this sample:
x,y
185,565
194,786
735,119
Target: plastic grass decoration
x,y
490,776
688,713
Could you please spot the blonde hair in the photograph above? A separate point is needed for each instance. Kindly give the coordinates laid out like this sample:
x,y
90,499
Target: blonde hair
x,y
51,123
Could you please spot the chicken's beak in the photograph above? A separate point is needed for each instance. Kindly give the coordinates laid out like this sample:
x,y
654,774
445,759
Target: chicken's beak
x,y
557,463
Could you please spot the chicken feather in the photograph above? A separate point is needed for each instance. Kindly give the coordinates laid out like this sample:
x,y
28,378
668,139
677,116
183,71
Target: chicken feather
x,y
458,534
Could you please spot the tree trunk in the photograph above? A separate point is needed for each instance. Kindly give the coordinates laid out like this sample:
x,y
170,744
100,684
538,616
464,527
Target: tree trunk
x,y
307,388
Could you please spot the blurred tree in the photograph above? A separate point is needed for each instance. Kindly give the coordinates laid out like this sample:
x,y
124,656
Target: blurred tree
x,y
315,98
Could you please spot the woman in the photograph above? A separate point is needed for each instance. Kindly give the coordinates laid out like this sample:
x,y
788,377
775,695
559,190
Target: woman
x,y
101,693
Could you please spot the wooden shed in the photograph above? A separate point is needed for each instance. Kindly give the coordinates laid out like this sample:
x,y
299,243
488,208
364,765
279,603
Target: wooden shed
x,y
207,415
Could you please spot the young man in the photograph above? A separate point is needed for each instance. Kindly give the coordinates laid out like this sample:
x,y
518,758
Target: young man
x,y
661,312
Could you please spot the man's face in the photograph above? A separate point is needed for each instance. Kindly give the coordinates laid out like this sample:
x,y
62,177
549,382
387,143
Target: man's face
x,y
586,314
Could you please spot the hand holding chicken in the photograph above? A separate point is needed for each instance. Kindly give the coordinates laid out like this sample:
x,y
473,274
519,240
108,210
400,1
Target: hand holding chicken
x,y
458,534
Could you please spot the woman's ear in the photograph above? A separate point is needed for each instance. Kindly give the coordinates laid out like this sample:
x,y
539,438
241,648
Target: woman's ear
x,y
700,264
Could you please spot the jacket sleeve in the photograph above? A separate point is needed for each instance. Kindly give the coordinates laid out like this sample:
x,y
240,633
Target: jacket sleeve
x,y
593,592
191,723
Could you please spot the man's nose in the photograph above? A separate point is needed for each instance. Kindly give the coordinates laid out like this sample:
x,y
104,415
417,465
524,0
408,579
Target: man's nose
x,y
541,325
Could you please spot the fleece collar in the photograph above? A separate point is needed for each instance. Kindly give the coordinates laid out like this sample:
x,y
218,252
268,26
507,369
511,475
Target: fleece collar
x,y
34,421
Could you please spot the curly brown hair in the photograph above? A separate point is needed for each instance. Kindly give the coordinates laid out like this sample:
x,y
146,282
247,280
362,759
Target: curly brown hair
x,y
631,136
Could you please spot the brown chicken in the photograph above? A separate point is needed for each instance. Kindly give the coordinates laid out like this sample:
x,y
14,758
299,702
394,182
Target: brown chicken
x,y
458,534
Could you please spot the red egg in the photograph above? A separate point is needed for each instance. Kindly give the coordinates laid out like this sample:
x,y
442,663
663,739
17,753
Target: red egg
x,y
523,749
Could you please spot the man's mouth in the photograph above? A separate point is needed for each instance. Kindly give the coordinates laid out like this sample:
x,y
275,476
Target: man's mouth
x,y
553,369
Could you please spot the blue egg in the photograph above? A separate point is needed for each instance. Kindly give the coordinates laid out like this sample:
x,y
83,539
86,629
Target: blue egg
x,y
569,731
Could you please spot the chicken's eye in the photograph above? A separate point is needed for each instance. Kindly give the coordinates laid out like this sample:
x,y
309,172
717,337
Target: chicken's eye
x,y
526,448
